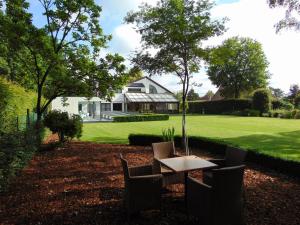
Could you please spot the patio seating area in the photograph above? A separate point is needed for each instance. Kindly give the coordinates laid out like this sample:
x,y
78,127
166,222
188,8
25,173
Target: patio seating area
x,y
83,183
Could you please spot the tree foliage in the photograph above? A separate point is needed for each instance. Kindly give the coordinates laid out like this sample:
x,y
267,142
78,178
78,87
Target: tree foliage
x,y
238,65
291,20
277,93
62,58
175,29
63,124
294,91
192,95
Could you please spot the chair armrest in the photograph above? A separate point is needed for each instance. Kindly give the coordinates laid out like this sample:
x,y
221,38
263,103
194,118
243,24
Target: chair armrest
x,y
140,170
147,181
219,162
198,184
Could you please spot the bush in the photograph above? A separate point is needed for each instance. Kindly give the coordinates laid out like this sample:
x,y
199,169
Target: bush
x,y
65,126
143,117
281,104
297,115
14,100
286,114
297,101
219,147
220,107
16,149
261,100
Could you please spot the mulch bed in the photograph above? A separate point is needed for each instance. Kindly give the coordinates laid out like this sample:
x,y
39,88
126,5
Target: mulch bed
x,y
82,183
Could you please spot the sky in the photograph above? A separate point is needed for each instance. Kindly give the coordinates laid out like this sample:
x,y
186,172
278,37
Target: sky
x,y
247,18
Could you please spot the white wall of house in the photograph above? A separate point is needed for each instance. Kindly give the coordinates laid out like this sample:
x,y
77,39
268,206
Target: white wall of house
x,y
72,103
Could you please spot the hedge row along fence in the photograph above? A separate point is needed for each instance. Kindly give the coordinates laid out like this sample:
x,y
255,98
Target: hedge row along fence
x,y
220,106
226,106
219,147
139,118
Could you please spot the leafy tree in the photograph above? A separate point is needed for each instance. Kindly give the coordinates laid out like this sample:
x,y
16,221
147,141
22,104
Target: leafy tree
x,y
175,29
135,74
294,91
192,95
64,125
297,101
63,57
290,20
277,93
208,96
262,100
238,65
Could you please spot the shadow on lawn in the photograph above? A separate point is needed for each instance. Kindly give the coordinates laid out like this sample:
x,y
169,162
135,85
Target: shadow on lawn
x,y
285,145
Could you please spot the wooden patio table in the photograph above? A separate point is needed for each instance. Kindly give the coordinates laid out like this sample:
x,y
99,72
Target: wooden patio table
x,y
186,164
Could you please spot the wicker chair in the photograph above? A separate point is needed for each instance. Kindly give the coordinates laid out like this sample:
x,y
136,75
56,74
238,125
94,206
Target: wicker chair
x,y
222,202
233,157
142,188
163,150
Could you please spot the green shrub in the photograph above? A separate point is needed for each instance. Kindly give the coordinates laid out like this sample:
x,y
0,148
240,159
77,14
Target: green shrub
x,y
281,104
261,100
14,101
16,149
287,115
226,106
297,101
297,115
142,117
65,126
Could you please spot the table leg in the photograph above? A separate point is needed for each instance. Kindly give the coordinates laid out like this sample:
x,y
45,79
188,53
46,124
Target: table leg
x,y
186,174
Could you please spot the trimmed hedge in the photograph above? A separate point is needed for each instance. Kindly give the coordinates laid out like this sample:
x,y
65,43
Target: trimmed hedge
x,y
219,147
220,106
139,118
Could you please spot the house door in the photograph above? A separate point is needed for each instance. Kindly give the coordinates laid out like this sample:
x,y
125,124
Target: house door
x,y
92,109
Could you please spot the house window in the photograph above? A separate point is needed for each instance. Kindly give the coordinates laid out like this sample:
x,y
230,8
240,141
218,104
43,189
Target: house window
x,y
117,106
172,106
152,89
79,107
105,107
134,90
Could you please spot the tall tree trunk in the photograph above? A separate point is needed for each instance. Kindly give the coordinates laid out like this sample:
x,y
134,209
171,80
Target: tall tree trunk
x,y
184,138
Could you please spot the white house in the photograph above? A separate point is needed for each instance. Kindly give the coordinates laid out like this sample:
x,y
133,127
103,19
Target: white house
x,y
142,95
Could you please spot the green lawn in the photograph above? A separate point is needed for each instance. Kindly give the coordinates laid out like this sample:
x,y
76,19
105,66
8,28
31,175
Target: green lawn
x,y
277,137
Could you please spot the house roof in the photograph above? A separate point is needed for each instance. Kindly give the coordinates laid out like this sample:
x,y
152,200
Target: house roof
x,y
145,77
136,85
143,97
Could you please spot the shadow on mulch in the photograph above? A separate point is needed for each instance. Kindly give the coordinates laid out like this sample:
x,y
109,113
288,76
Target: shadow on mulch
x,y
82,183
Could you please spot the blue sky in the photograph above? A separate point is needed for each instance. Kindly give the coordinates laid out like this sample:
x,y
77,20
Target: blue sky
x,y
248,18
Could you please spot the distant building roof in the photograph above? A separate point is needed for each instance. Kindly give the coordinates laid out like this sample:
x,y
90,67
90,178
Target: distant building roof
x,y
145,77
141,85
143,97
218,95
205,98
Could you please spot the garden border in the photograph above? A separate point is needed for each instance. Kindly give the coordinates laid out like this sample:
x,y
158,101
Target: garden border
x,y
219,147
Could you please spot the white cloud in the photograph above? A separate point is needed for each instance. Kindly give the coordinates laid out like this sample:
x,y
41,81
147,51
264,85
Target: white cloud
x,y
248,18
125,39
